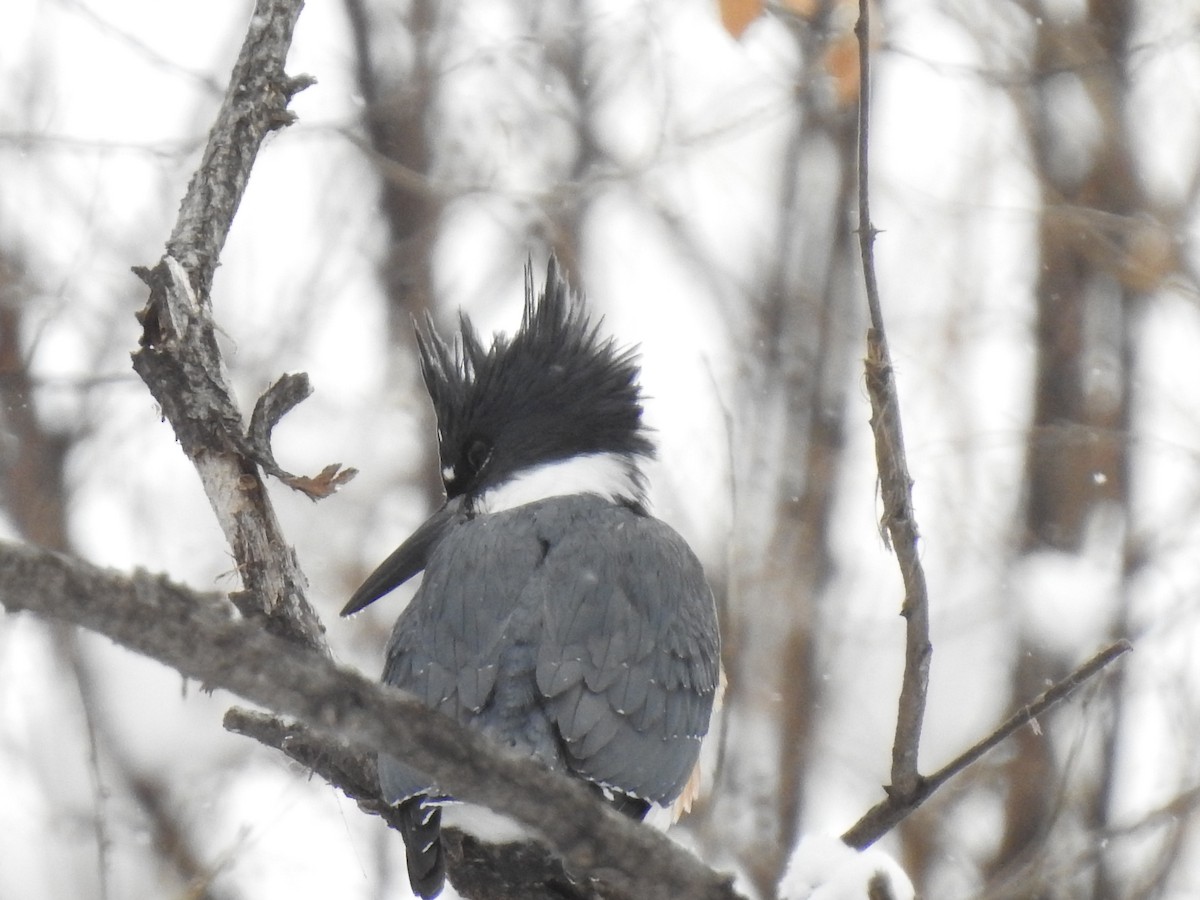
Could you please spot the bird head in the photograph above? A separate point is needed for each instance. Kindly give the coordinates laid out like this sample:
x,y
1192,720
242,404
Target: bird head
x,y
552,411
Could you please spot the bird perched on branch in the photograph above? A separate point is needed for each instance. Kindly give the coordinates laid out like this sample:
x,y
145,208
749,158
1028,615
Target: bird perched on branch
x,y
555,615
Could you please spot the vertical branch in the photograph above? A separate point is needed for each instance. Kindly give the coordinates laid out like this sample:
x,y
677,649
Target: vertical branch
x,y
895,483
179,359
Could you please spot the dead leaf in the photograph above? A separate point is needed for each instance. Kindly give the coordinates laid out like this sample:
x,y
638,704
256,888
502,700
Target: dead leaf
x,y
320,486
736,15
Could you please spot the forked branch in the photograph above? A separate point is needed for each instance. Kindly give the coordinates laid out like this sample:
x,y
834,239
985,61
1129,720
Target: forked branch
x,y
899,524
884,816
908,788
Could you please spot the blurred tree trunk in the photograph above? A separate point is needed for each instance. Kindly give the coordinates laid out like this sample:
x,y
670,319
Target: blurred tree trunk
x,y
395,69
567,204
798,372
395,66
1078,452
1078,443
32,484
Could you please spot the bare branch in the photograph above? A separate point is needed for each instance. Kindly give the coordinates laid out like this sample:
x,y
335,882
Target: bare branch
x,y
276,402
198,635
890,458
514,871
179,359
908,788
887,814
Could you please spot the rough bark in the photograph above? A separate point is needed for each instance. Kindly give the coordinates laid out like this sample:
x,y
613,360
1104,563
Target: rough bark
x,y
199,636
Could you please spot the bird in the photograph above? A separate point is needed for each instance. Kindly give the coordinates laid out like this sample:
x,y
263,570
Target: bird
x,y
555,614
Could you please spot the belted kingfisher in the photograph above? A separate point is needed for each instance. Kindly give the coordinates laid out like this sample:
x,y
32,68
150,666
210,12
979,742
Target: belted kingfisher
x,y
555,614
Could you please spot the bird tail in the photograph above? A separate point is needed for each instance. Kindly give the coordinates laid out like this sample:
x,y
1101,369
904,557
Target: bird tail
x,y
701,777
421,825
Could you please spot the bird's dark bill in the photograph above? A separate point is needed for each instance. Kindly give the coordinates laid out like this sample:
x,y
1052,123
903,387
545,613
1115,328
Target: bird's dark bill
x,y
408,559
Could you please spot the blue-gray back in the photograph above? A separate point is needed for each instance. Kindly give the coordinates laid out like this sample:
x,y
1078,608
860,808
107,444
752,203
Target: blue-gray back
x,y
575,630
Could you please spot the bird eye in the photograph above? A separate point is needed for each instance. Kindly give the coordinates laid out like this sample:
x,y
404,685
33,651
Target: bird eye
x,y
478,453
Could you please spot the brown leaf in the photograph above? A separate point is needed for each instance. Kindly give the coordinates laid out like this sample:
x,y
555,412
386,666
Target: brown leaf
x,y
736,15
320,486
841,63
805,9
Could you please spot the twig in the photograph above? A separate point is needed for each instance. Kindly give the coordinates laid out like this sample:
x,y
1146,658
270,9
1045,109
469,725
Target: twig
x,y
886,815
894,481
66,647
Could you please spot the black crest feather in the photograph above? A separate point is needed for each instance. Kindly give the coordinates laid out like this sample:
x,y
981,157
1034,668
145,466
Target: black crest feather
x,y
556,389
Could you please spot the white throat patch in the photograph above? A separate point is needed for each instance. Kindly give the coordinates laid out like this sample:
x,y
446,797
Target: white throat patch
x,y
611,475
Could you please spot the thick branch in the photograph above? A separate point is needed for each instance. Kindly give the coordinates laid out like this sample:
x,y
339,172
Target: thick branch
x,y
254,105
198,635
515,871
179,358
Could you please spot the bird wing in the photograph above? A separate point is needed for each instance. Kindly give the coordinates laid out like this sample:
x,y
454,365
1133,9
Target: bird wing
x,y
576,630
449,644
629,657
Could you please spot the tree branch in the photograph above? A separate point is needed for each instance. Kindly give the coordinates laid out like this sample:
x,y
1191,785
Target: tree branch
x,y
198,635
908,788
514,871
179,359
884,816
895,483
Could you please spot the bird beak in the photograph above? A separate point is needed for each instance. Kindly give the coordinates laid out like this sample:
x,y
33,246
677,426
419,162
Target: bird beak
x,y
409,558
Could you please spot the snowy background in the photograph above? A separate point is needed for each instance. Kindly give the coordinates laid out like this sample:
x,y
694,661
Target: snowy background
x,y
1035,175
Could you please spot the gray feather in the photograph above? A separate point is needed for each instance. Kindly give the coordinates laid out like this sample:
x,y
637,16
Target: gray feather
x,y
577,622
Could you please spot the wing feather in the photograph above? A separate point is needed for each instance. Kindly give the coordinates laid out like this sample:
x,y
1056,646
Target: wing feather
x,y
629,654
578,631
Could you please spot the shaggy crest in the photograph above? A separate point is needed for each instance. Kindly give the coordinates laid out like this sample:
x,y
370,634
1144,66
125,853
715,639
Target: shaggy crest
x,y
556,389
